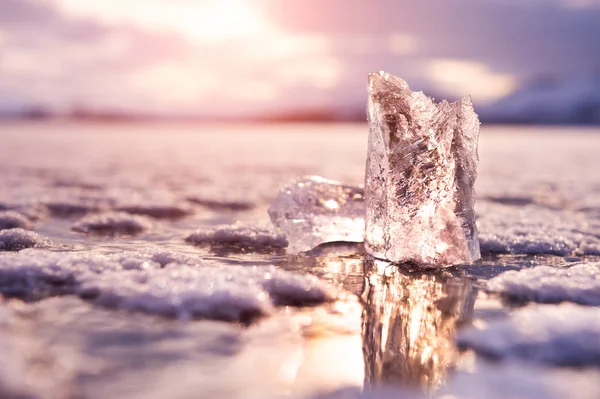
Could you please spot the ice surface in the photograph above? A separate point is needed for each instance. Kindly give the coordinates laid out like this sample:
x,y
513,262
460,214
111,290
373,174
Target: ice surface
x,y
18,239
313,210
532,229
421,169
579,284
498,381
156,282
13,383
159,204
114,223
238,237
218,200
13,220
564,334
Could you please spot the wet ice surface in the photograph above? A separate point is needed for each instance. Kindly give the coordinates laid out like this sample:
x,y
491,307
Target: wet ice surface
x,y
172,283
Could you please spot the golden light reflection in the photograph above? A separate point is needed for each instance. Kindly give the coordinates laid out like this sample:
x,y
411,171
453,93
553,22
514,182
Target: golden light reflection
x,y
409,321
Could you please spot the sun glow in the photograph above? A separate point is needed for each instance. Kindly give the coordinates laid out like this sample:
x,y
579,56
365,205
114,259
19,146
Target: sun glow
x,y
204,22
223,20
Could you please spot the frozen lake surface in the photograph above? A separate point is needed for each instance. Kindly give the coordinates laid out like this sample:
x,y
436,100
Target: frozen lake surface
x,y
138,261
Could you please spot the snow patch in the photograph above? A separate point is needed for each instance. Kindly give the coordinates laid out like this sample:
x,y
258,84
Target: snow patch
x,y
579,284
13,220
113,223
154,282
565,334
535,230
238,237
18,239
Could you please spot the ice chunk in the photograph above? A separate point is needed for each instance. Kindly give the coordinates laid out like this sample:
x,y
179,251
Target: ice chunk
x,y
18,239
13,220
238,237
112,223
565,334
421,168
313,210
579,283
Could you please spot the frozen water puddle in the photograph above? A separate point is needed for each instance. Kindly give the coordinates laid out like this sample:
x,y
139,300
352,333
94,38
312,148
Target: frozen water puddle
x,y
160,282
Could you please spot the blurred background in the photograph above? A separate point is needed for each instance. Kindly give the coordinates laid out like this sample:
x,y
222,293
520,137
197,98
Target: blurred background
x,y
522,61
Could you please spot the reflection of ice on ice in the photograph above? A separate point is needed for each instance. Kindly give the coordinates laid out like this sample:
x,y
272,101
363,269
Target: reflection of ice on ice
x,y
312,210
409,322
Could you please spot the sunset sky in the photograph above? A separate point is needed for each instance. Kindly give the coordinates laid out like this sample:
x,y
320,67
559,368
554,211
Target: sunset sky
x,y
231,57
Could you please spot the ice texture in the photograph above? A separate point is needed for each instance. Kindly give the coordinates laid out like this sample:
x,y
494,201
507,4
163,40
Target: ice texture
x,y
312,211
564,334
13,220
160,282
579,284
113,223
18,239
421,169
533,229
238,237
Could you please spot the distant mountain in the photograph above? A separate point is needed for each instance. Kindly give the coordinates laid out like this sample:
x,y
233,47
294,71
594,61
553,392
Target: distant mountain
x,y
549,101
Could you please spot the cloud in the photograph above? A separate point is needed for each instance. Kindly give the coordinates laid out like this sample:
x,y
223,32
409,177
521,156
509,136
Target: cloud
x,y
475,79
194,56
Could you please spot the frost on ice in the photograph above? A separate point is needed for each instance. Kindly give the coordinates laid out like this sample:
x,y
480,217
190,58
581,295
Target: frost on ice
x,y
312,211
238,237
18,239
565,334
160,282
112,223
14,220
421,169
579,284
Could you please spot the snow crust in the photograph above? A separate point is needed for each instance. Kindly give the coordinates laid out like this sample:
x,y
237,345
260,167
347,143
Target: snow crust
x,y
579,284
114,223
18,239
238,236
161,282
532,229
13,220
565,334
